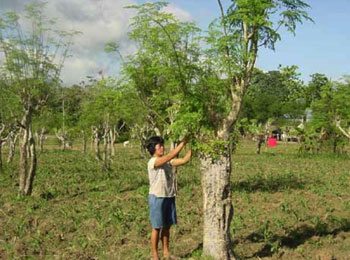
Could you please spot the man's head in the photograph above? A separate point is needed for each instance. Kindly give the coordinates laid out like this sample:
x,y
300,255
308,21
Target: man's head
x,y
155,145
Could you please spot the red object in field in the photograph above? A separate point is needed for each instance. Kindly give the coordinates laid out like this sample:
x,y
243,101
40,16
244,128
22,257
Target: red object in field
x,y
272,142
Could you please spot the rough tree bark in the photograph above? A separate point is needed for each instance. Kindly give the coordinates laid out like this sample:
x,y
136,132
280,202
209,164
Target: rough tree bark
x,y
33,163
217,201
28,161
217,206
24,133
12,139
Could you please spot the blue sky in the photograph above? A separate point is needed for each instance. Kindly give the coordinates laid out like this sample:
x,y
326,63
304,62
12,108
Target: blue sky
x,y
320,47
323,46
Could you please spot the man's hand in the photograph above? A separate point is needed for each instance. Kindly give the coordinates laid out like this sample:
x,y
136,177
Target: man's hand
x,y
182,161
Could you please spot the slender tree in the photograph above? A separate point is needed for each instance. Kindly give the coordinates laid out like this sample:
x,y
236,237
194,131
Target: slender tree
x,y
33,61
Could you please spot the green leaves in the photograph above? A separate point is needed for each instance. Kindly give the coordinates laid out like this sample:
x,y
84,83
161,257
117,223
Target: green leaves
x,y
330,110
188,88
258,18
111,47
276,94
164,68
33,56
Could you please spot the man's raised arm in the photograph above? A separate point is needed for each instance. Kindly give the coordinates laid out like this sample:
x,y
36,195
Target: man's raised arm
x,y
166,158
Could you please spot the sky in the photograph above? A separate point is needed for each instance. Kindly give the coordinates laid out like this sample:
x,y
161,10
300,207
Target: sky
x,y
319,47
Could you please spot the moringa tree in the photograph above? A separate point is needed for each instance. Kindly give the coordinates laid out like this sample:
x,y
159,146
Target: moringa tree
x,y
34,54
108,107
210,89
164,67
234,42
210,99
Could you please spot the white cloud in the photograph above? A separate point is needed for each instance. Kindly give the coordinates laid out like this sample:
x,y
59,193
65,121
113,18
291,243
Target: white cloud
x,y
181,14
100,21
77,68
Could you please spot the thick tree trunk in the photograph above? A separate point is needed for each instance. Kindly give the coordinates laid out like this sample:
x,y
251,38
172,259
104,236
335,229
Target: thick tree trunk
x,y
27,156
217,206
23,162
217,201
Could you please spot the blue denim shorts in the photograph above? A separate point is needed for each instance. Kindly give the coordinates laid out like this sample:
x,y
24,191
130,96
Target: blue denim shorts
x,y
162,211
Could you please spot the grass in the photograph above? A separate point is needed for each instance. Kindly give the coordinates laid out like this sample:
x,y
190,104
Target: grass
x,y
287,206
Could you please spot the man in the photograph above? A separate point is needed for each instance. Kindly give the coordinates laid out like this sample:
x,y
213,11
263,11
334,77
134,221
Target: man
x,y
162,192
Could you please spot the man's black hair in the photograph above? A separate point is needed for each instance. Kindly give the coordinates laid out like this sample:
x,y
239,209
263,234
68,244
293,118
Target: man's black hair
x,y
152,142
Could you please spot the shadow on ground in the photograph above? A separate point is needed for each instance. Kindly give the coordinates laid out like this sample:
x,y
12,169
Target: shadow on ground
x,y
295,237
270,183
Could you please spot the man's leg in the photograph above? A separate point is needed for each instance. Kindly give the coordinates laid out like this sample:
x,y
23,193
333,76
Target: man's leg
x,y
165,236
155,240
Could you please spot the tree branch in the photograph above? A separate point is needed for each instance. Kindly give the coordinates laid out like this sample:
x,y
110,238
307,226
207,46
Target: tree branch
x,y
223,18
175,52
347,134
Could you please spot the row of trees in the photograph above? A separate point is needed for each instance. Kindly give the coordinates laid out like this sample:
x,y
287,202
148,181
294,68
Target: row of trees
x,y
316,113
180,81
